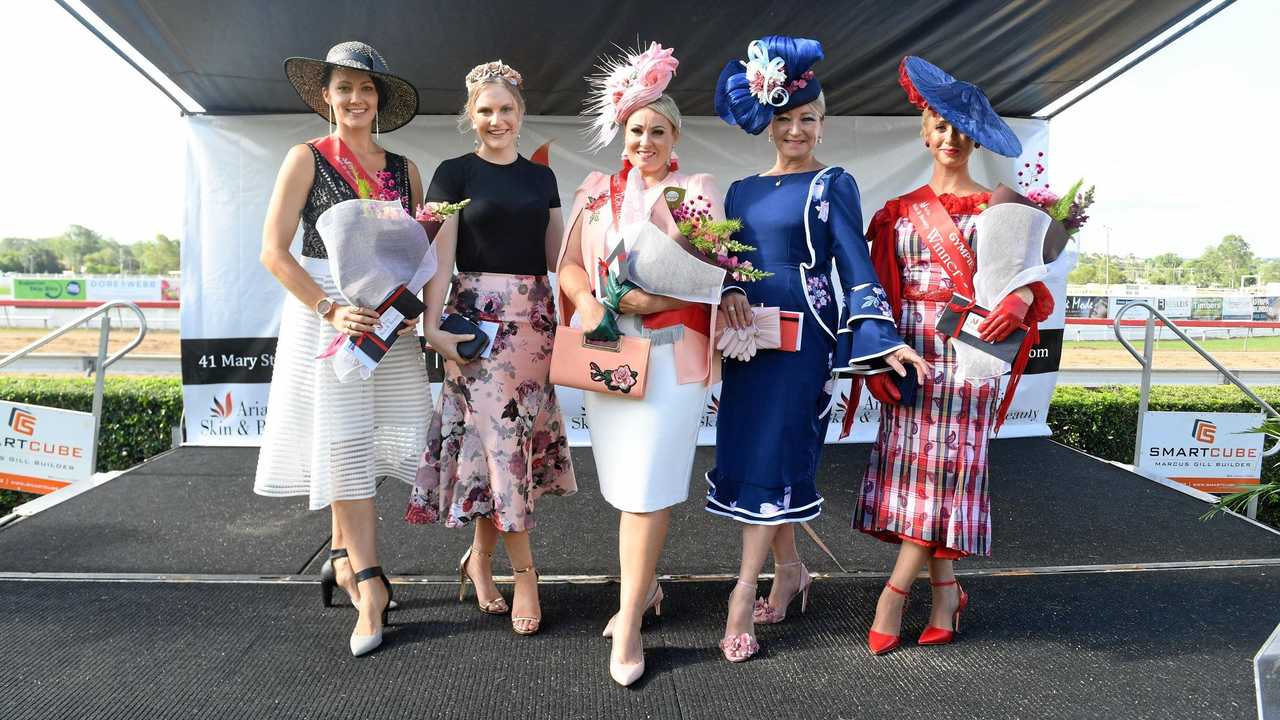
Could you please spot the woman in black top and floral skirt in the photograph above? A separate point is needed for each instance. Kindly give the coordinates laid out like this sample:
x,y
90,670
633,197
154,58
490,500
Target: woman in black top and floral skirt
x,y
497,441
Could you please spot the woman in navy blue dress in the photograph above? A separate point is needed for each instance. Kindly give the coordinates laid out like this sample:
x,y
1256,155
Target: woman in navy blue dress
x,y
803,219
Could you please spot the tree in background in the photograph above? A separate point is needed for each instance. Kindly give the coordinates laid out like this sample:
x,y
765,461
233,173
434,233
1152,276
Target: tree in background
x,y
157,257
1222,265
75,244
1093,268
111,259
1269,271
28,256
1165,269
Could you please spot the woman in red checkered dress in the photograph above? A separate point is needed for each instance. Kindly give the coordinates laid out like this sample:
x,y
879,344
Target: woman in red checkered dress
x,y
926,482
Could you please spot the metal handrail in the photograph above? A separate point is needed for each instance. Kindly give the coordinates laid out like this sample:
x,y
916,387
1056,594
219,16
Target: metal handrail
x,y
103,361
1144,359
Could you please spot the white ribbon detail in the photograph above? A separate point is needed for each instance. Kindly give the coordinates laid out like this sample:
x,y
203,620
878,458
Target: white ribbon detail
x,y
766,77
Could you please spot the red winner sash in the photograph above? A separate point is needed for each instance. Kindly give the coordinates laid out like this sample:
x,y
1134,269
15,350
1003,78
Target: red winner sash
x,y
366,186
942,237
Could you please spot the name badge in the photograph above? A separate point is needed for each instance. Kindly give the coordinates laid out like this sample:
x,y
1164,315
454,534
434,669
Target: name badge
x,y
674,196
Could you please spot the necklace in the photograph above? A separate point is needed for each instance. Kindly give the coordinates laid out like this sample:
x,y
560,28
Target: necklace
x,y
779,183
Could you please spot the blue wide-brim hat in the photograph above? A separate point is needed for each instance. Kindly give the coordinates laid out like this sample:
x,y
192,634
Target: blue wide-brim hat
x,y
962,104
775,77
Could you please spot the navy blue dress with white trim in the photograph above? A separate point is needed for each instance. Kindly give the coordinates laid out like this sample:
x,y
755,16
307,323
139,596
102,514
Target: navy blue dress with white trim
x,y
773,409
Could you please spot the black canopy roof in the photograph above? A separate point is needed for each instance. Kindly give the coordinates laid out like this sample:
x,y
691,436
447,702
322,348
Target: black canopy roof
x,y
1025,53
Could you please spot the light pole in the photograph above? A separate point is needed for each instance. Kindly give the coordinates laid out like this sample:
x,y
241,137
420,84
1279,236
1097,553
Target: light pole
x,y
1106,258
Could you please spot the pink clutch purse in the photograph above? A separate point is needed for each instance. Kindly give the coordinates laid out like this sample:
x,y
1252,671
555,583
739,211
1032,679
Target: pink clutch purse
x,y
777,329
618,367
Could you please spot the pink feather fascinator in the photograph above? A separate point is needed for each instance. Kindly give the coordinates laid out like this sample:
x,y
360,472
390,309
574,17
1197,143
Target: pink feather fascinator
x,y
623,85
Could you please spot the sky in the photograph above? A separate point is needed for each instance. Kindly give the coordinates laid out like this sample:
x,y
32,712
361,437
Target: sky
x,y
1182,147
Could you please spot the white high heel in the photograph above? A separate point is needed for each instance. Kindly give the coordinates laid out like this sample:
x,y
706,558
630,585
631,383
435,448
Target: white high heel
x,y
624,674
653,601
364,644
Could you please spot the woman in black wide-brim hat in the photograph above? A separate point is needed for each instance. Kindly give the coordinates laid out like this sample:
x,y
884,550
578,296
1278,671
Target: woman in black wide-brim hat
x,y
327,439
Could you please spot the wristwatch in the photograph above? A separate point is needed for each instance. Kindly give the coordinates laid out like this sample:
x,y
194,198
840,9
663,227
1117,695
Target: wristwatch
x,y
323,306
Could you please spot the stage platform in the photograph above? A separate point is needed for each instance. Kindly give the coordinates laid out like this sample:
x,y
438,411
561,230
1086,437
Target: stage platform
x,y
173,592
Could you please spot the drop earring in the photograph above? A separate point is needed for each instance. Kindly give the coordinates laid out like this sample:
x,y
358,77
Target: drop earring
x,y
517,139
331,127
819,139
377,127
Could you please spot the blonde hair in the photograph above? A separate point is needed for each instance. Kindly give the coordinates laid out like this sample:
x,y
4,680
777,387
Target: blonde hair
x,y
820,104
666,106
927,116
482,76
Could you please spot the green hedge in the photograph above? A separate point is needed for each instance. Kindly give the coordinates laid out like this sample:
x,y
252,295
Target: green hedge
x,y
138,414
1103,421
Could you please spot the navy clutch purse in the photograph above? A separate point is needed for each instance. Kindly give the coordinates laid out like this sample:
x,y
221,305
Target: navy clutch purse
x,y
459,325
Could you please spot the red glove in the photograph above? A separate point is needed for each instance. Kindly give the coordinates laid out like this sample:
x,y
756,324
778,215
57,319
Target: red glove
x,y
883,388
1006,318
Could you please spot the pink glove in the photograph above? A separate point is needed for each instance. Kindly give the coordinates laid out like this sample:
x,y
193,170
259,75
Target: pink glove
x,y
1006,318
883,388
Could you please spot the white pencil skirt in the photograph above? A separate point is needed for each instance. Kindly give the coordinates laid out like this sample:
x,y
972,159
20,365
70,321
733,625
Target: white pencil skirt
x,y
330,440
644,448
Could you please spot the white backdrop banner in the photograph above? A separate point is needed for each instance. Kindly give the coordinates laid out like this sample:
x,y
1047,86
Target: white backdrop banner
x,y
231,304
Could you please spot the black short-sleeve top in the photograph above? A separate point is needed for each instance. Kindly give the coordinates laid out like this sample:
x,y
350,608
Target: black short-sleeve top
x,y
504,229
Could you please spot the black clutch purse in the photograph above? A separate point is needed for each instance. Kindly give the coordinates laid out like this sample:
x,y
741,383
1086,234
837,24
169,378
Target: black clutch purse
x,y
907,385
459,325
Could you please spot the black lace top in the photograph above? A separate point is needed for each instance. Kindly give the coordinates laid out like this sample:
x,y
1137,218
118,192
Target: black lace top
x,y
329,189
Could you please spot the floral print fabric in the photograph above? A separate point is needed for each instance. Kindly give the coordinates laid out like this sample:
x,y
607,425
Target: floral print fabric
x,y
497,441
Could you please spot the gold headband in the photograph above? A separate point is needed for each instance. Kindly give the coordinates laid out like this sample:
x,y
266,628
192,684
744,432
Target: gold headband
x,y
496,69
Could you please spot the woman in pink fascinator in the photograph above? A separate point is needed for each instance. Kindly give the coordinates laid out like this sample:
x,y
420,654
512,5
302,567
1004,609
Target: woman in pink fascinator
x,y
643,448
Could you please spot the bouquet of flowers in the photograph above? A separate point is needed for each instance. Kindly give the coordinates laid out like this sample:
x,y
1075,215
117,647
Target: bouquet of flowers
x,y
432,215
439,211
1068,209
713,238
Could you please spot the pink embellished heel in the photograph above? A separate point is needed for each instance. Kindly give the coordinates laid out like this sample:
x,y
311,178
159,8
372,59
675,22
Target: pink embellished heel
x,y
765,614
741,647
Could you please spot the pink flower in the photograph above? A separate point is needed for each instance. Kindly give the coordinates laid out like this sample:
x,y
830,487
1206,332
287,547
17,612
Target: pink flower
x,y
420,512
622,377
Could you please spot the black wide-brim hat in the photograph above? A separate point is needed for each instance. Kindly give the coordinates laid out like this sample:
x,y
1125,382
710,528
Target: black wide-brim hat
x,y
307,75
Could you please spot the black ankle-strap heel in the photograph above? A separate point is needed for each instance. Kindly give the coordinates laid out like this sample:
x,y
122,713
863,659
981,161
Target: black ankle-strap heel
x,y
376,572
329,576
361,644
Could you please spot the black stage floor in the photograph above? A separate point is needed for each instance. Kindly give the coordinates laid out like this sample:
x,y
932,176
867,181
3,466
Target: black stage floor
x,y
173,592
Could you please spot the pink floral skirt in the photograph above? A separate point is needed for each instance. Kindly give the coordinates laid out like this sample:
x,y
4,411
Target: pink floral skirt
x,y
497,441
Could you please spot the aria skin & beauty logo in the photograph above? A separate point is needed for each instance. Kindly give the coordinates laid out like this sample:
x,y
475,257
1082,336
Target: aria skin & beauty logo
x,y
230,418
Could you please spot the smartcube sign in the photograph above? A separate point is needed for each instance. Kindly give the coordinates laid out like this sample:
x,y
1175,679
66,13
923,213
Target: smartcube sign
x,y
1213,452
43,449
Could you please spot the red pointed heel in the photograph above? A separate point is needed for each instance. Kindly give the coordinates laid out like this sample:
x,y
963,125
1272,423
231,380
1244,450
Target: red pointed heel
x,y
941,636
881,643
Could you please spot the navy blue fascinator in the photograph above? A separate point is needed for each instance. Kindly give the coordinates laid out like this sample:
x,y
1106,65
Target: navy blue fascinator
x,y
962,104
775,77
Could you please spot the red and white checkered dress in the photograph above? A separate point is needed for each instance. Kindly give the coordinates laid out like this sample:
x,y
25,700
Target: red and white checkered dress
x,y
926,481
